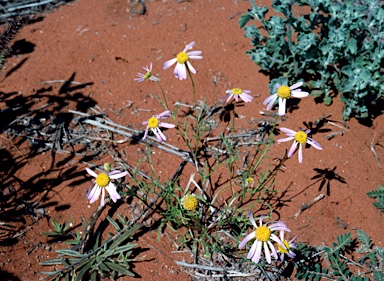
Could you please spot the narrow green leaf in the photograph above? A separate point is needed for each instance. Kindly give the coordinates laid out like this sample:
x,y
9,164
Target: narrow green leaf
x,y
114,223
83,271
119,268
69,252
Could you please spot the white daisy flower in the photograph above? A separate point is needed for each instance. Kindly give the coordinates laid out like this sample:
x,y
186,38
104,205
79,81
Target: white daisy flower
x,y
300,138
102,183
283,93
237,92
154,124
182,62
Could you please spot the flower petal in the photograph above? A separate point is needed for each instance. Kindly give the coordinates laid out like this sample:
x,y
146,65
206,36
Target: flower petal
x,y
246,239
91,172
164,114
270,100
169,63
145,133
189,46
282,103
299,94
95,194
195,55
292,149
119,175
161,134
250,215
167,125
111,188
267,253
246,97
256,257
285,139
296,85
190,67
102,197
230,96
252,251
314,143
300,153
289,132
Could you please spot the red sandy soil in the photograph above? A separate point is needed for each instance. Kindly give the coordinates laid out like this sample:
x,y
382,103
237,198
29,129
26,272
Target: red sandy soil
x,y
105,43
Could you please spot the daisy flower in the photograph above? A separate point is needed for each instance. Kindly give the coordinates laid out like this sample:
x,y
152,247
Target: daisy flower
x,y
263,236
147,75
182,61
287,250
102,183
154,123
283,93
300,138
237,92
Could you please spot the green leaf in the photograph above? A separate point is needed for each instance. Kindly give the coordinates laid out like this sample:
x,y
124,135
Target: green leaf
x,y
69,252
244,19
378,275
84,270
119,268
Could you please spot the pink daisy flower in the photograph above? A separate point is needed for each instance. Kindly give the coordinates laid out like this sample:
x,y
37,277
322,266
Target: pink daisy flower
x,y
300,138
102,183
154,124
182,62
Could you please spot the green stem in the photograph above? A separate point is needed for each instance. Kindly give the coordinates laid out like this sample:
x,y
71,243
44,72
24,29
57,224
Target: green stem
x,y
193,86
233,119
165,100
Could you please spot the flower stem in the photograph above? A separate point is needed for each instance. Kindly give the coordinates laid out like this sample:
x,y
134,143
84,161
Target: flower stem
x,y
165,100
193,86
233,119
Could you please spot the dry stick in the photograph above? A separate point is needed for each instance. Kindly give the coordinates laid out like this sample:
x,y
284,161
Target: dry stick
x,y
183,154
303,207
230,273
337,125
373,149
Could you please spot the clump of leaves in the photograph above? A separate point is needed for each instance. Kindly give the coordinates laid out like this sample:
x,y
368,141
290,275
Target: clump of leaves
x,y
337,262
379,195
111,258
7,35
337,47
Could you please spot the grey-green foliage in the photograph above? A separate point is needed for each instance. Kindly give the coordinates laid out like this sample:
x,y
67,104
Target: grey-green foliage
x,y
336,47
379,195
109,258
337,262
7,35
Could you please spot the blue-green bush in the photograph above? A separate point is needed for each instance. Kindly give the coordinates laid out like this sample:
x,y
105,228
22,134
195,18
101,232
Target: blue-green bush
x,y
337,48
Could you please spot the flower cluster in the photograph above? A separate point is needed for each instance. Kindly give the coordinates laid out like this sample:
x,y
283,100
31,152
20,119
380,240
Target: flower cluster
x,y
264,236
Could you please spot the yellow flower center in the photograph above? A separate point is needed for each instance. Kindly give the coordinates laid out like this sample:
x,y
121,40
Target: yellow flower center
x,y
189,202
281,249
301,137
182,57
249,180
102,180
153,122
284,92
147,75
263,233
236,91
